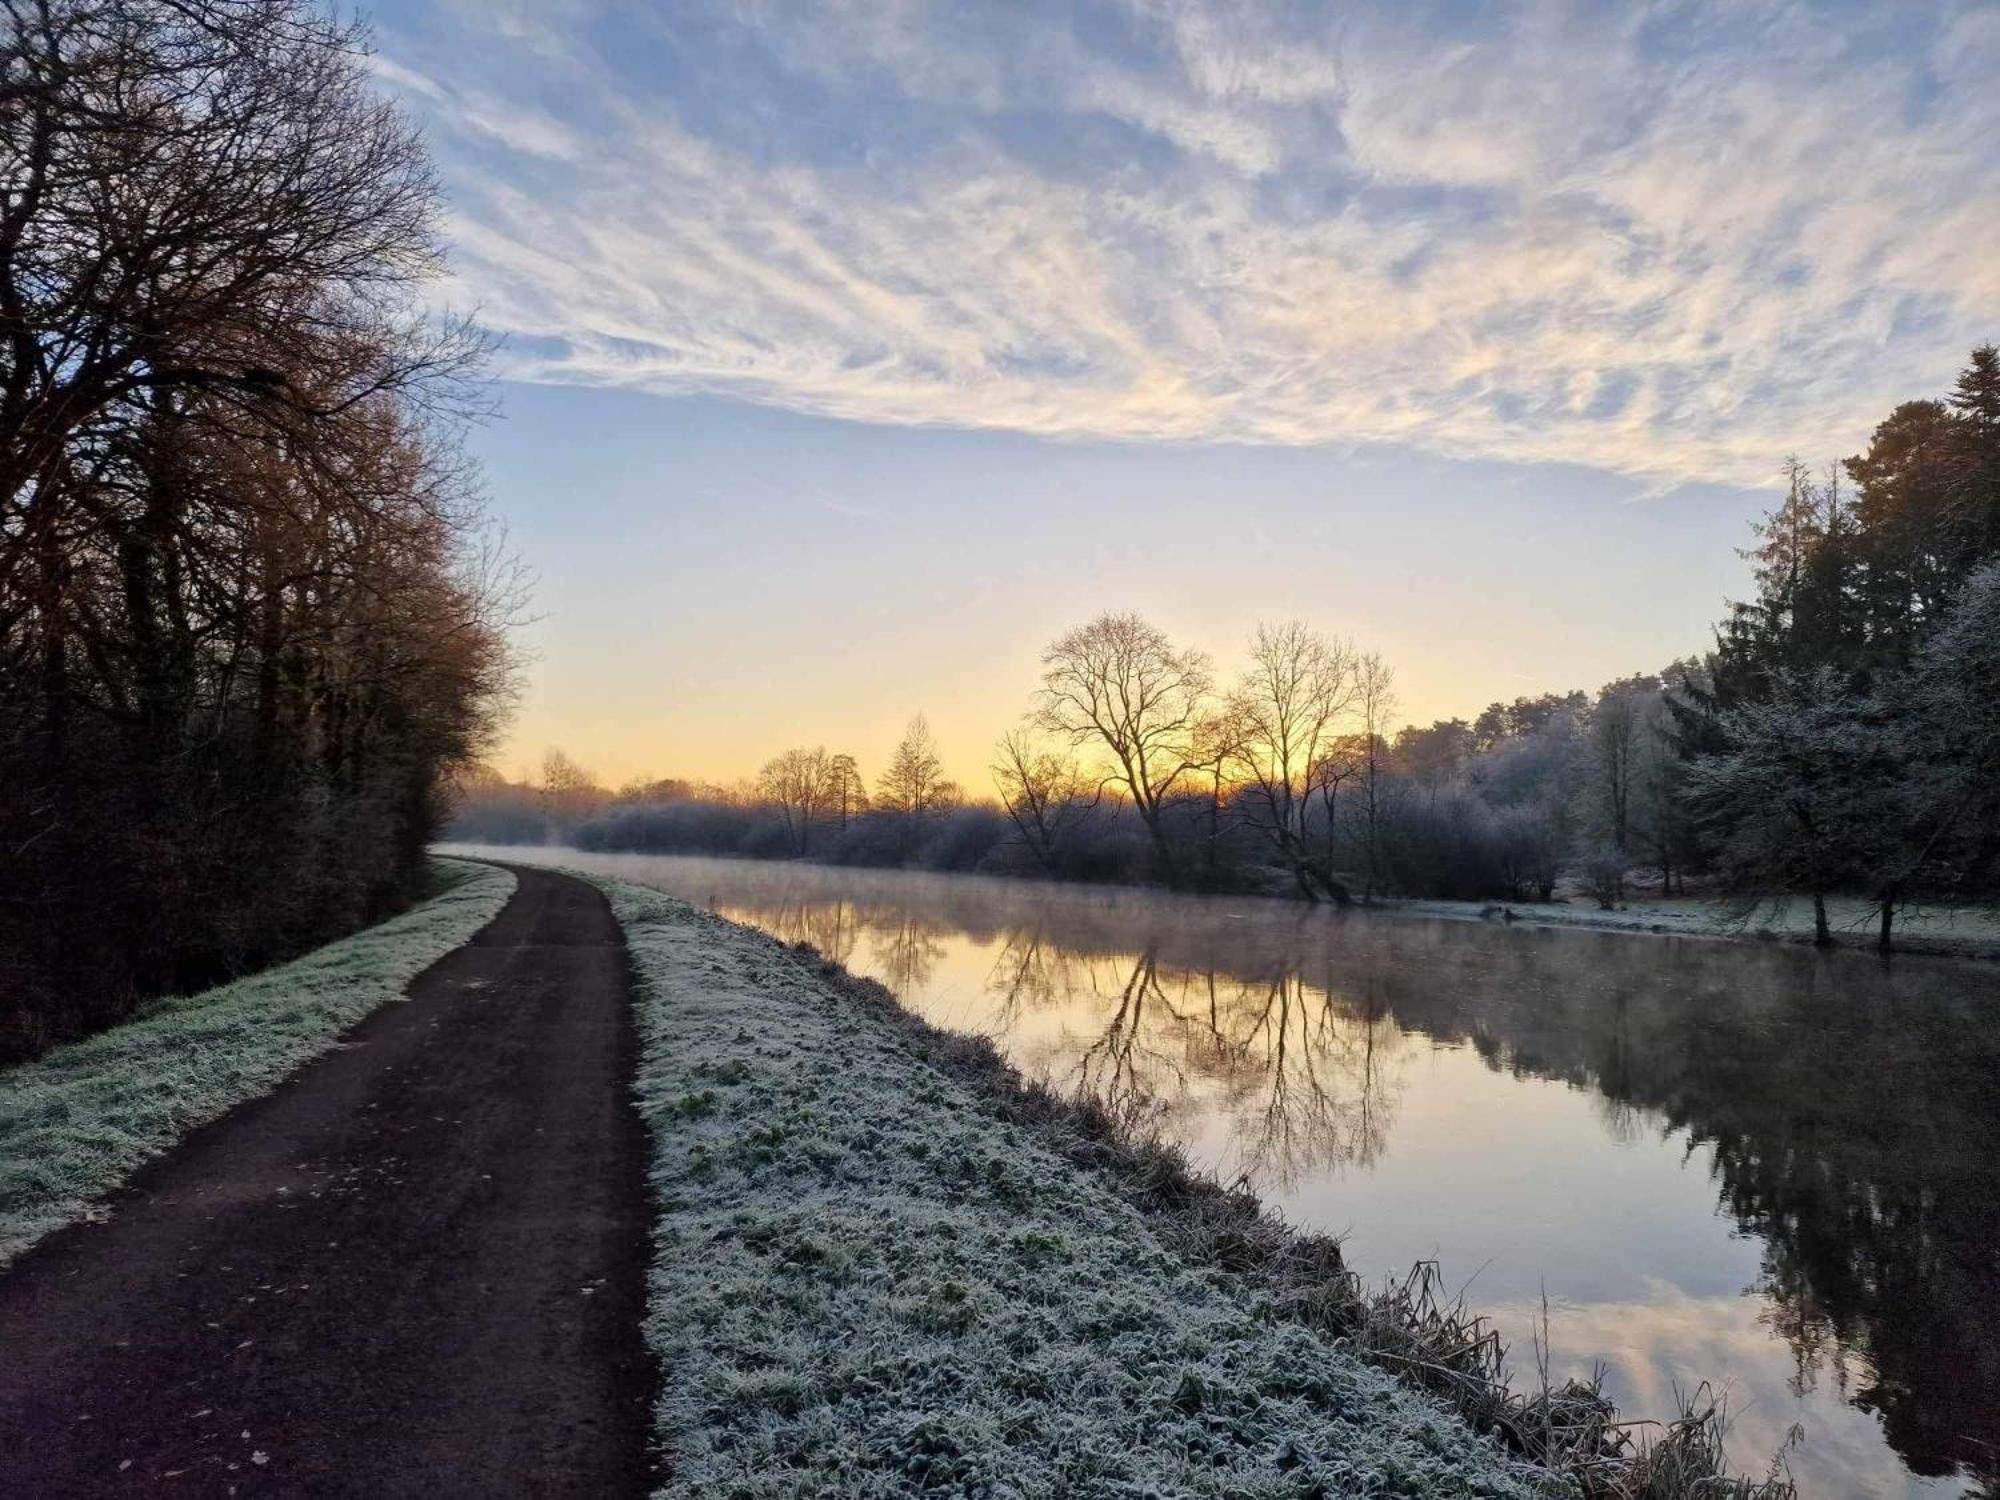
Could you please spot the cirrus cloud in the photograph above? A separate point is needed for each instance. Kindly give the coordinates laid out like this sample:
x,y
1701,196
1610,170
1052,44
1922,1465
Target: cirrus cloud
x,y
1675,240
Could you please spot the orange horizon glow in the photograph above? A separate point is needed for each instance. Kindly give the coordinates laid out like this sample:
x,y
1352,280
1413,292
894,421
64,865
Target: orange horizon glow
x,y
622,739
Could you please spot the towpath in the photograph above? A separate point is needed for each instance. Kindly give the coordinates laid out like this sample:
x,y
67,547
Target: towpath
x,y
417,1268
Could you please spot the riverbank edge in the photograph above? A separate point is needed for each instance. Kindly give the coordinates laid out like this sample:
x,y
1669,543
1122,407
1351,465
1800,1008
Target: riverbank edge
x,y
1571,1439
1768,922
79,1121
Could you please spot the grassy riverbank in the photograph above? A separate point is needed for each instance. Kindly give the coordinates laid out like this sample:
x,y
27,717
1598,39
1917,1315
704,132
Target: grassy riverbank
x,y
1944,931
81,1119
882,1258
867,1282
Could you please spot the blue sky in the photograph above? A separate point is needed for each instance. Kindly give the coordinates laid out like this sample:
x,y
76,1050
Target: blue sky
x,y
855,349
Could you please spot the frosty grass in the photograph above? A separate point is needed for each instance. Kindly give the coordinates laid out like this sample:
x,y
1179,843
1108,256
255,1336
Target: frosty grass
x,y
80,1120
865,1285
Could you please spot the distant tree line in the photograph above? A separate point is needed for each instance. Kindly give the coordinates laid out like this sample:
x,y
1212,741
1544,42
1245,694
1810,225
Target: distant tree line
x,y
248,613
1842,736
806,803
1135,764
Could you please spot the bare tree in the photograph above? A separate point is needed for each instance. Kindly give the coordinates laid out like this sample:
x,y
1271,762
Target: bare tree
x,y
569,794
1287,707
798,783
913,789
1375,702
1216,741
1618,727
1339,764
203,196
1120,685
914,782
249,620
1535,778
1045,794
848,794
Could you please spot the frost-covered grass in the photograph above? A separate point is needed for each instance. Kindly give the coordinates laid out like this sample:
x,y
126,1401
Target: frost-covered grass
x,y
80,1120
867,1282
1967,931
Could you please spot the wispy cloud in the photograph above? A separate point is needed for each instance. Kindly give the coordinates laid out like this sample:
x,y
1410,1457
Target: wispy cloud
x,y
849,509
1675,240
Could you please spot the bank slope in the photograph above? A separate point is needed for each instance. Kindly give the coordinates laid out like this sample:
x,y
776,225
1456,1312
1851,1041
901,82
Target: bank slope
x,y
80,1120
866,1284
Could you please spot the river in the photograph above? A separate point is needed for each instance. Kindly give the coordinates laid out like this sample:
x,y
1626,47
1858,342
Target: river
x,y
1747,1163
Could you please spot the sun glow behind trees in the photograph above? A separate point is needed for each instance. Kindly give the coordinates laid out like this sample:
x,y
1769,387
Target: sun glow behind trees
x,y
1836,740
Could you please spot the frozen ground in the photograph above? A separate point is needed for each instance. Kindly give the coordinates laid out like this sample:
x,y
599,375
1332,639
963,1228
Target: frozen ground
x,y
866,1284
80,1120
1972,932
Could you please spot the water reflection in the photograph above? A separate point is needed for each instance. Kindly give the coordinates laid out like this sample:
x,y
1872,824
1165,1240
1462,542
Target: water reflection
x,y
1304,1075
1748,1161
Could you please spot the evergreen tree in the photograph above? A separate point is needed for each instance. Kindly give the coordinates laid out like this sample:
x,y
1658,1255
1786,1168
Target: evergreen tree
x,y
1911,561
1839,737
1975,484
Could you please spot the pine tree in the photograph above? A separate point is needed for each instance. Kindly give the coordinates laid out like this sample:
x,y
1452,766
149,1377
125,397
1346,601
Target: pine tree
x,y
1975,489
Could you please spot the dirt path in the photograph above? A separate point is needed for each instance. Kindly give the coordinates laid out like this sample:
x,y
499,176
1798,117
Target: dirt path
x,y
415,1269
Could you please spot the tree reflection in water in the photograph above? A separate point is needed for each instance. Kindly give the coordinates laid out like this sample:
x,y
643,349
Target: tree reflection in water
x,y
1304,1074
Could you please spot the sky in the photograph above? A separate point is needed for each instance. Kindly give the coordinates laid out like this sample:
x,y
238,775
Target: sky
x,y
851,350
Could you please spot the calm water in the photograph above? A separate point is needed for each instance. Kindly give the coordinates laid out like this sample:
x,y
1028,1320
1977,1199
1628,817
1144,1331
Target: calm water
x,y
1747,1163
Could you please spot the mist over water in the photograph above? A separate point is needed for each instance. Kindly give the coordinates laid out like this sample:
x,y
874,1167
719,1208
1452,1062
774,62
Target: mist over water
x,y
1747,1163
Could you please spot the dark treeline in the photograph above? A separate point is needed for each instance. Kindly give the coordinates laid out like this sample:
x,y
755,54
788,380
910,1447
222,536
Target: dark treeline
x,y
1845,735
1842,737
804,804
247,616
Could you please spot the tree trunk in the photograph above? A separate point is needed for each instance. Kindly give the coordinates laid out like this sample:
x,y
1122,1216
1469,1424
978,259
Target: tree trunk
x,y
1822,932
50,581
1168,871
1884,944
1210,854
1368,870
270,645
